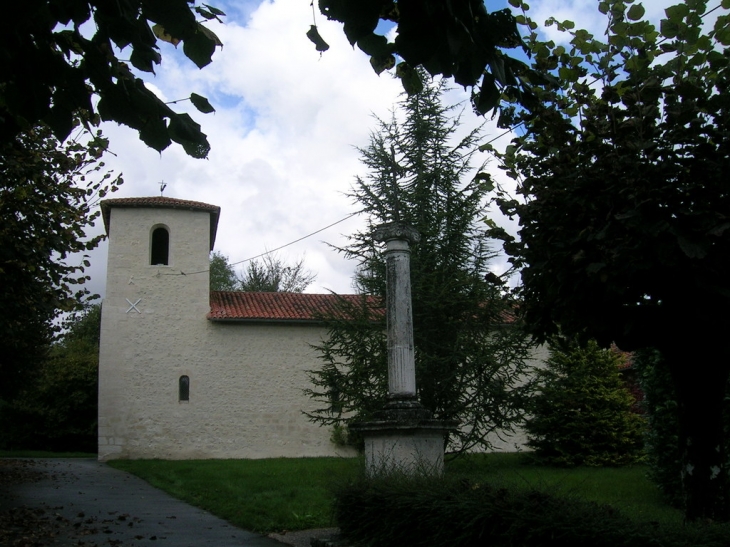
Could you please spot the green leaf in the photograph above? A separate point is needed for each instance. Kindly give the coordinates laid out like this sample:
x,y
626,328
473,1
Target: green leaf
x,y
375,45
380,64
162,34
205,13
568,74
214,10
669,29
316,39
185,131
144,58
154,134
201,103
595,267
199,48
489,95
635,12
691,249
485,181
677,13
410,78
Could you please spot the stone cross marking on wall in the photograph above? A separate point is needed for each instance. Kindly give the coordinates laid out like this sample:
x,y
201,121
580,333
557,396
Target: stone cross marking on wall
x,y
133,306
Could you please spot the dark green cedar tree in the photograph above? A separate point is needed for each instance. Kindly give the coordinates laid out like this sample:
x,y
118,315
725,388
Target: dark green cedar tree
x,y
470,358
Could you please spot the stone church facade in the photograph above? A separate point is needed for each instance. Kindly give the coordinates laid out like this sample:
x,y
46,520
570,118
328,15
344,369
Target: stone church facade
x,y
185,373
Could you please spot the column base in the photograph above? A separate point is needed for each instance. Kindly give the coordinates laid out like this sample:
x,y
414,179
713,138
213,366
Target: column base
x,y
411,446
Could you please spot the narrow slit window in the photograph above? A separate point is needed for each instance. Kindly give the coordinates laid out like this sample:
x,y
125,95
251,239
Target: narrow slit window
x,y
160,252
184,388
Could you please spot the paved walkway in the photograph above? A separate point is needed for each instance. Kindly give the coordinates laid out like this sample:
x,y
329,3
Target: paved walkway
x,y
81,502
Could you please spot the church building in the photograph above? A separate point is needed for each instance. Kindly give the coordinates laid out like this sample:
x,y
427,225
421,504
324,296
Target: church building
x,y
186,373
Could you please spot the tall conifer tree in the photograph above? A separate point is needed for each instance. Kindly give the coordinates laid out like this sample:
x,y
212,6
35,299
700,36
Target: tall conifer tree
x,y
469,358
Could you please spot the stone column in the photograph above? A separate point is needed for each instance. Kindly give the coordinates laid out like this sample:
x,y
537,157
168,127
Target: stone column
x,y
403,437
401,357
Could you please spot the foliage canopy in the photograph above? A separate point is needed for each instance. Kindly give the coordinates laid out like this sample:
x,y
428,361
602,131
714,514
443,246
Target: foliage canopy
x,y
50,68
71,67
47,194
222,275
56,408
270,274
458,39
624,228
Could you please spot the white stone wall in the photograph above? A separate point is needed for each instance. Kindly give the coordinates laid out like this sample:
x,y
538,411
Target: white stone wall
x,y
246,380
516,441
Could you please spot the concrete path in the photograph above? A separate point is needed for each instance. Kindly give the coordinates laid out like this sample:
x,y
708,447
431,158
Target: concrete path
x,y
81,502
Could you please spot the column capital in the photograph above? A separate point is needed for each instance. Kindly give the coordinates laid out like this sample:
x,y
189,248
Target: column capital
x,y
396,230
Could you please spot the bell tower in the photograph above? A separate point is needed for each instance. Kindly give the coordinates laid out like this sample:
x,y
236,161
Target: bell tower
x,y
157,287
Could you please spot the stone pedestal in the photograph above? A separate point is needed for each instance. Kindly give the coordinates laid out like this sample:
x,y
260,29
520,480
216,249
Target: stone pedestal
x,y
403,437
404,447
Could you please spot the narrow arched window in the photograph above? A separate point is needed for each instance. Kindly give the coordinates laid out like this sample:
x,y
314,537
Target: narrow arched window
x,y
160,249
184,388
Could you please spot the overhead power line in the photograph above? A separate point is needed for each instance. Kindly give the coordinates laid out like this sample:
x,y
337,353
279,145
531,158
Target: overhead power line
x,y
296,240
277,248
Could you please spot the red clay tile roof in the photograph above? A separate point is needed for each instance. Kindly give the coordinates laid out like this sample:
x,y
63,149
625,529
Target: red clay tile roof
x,y
281,306
162,202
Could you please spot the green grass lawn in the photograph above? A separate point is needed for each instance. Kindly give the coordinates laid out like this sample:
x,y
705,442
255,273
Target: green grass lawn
x,y
258,495
625,488
296,494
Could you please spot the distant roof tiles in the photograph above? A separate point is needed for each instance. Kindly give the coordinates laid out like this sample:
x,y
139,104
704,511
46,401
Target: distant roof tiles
x,y
161,202
283,306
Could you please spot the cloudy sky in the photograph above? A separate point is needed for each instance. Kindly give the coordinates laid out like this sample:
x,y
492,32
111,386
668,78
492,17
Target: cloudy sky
x,y
284,135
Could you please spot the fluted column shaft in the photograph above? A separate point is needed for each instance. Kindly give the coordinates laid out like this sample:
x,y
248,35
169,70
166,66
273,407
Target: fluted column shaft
x,y
401,356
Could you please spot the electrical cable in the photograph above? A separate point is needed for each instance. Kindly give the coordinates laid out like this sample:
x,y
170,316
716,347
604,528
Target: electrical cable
x,y
277,248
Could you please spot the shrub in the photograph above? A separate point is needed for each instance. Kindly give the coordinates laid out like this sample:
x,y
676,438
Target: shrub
x,y
400,511
662,437
57,410
582,414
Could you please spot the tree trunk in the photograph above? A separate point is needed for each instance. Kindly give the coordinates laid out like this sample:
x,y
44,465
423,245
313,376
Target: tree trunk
x,y
700,381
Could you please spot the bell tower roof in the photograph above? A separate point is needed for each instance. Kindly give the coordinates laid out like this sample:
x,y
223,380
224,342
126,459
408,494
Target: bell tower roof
x,y
161,202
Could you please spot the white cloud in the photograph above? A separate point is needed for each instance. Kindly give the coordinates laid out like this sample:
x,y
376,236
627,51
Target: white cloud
x,y
282,138
584,14
284,135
